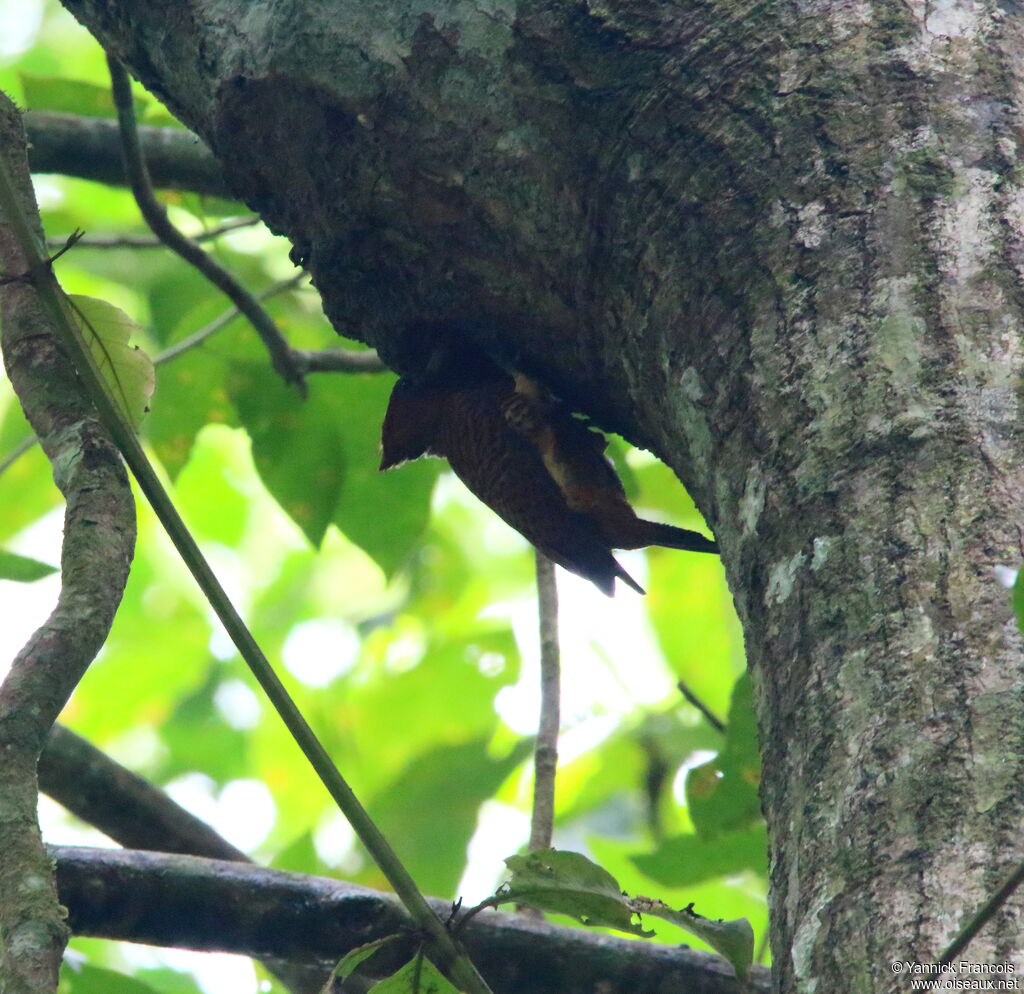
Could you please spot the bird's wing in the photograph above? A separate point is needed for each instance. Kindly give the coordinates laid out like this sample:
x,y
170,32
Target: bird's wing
x,y
505,469
410,423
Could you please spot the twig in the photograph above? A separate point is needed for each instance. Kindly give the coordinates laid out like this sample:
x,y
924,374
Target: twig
x,y
306,361
985,915
709,716
25,445
141,242
156,217
448,955
338,361
545,762
222,321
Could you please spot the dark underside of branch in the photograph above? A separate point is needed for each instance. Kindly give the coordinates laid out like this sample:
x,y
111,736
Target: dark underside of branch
x,y
185,901
90,148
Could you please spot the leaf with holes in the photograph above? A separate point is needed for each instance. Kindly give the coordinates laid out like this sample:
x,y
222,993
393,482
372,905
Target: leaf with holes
x,y
570,884
734,939
126,369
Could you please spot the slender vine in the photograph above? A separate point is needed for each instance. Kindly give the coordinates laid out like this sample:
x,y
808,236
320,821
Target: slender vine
x,y
156,217
985,914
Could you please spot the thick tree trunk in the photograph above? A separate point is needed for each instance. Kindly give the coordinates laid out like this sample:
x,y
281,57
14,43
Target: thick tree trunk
x,y
778,244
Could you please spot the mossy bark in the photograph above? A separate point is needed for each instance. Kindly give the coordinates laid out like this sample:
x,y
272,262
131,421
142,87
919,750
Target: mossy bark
x,y
778,244
99,538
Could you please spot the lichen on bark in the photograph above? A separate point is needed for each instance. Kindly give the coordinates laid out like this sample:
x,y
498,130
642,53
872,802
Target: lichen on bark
x,y
778,244
99,537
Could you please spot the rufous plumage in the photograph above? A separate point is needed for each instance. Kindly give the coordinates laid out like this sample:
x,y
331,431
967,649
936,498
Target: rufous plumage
x,y
524,454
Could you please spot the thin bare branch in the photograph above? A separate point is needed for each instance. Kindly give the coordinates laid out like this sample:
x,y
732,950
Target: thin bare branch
x,y
709,716
339,361
156,217
984,915
222,321
142,242
545,762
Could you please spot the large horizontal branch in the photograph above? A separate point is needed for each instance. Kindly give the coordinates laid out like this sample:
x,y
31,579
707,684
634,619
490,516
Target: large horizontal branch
x,y
120,803
138,814
90,147
193,903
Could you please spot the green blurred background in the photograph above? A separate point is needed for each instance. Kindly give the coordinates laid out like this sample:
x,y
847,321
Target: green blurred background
x,y
402,613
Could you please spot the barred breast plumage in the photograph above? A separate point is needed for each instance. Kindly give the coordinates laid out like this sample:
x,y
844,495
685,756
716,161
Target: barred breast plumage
x,y
541,470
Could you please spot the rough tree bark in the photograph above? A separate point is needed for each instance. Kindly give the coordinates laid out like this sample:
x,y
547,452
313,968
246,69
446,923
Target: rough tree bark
x,y
99,540
779,245
180,901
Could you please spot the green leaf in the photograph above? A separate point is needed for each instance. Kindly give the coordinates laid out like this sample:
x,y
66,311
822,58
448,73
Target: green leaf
x,y
72,96
197,739
734,940
192,395
570,884
214,490
127,370
159,601
350,962
721,795
295,444
319,459
432,837
22,568
694,619
168,981
1018,599
88,979
688,859
418,700
418,976
383,513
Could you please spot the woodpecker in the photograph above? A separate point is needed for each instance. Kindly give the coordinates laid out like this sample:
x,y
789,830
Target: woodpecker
x,y
527,457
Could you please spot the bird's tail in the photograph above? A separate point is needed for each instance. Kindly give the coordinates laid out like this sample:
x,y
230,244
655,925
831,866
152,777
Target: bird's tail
x,y
643,533
596,564
627,579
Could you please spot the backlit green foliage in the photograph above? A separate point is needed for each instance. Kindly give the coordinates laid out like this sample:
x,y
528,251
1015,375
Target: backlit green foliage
x,y
399,611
